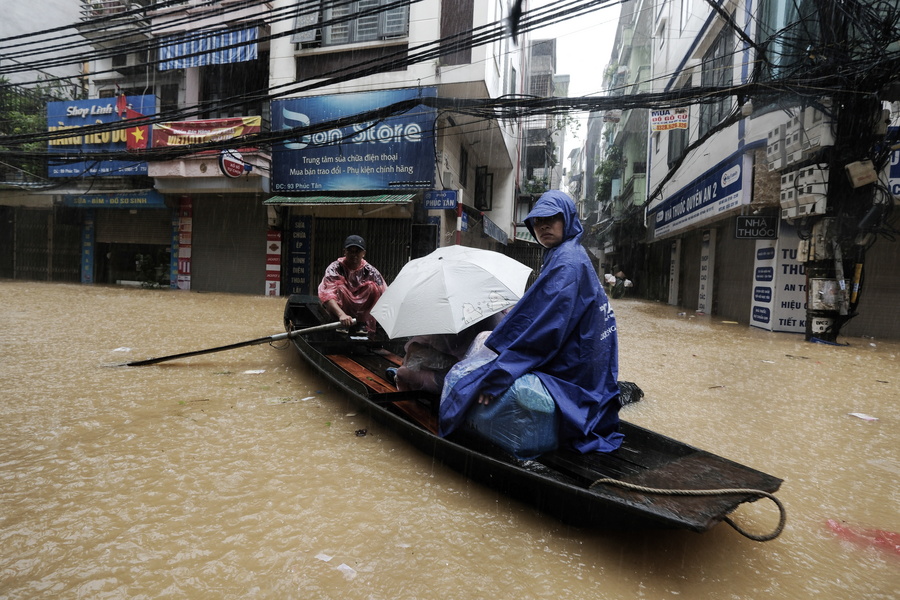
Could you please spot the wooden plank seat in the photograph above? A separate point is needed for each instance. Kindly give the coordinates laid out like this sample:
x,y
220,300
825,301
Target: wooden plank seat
x,y
411,408
374,382
389,355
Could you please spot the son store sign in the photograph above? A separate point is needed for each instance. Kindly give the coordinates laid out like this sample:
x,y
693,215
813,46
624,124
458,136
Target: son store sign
x,y
394,152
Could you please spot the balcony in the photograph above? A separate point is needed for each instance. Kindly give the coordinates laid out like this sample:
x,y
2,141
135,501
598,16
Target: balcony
x,y
635,191
121,21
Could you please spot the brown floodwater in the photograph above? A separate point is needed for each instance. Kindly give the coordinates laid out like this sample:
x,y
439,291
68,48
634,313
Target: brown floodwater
x,y
239,474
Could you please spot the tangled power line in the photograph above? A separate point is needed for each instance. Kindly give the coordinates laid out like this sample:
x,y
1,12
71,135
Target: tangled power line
x,y
866,64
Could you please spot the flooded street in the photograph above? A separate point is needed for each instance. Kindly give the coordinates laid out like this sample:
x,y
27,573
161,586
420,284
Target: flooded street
x,y
239,474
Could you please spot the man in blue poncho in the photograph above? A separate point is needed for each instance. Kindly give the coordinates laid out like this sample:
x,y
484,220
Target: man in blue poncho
x,y
563,330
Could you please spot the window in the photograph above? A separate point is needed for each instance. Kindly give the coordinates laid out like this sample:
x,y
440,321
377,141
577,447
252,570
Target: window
x,y
484,189
787,29
716,71
678,141
463,167
512,81
686,10
350,22
456,31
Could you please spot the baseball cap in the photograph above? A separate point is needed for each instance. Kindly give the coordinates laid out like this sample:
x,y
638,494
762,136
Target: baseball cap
x,y
355,240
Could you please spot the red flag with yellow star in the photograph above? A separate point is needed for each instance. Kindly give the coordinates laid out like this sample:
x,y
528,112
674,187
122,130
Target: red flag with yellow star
x,y
138,137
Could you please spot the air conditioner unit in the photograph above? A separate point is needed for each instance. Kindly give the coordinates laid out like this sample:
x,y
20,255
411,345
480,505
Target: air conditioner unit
x,y
448,180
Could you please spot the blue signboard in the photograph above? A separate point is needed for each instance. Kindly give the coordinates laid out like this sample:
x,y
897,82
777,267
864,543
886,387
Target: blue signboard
x,y
396,152
72,116
719,190
142,199
87,247
440,199
300,255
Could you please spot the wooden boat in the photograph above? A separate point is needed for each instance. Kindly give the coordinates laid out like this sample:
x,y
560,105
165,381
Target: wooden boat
x,y
560,483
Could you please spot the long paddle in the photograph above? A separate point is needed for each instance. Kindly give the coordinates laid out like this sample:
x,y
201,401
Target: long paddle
x,y
272,338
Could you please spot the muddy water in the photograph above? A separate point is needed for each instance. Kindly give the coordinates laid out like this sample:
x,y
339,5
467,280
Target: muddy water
x,y
239,475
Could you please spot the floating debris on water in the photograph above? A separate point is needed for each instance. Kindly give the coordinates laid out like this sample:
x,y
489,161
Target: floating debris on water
x,y
863,416
348,571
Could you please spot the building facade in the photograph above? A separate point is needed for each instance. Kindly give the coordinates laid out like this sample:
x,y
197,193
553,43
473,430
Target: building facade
x,y
186,199
751,211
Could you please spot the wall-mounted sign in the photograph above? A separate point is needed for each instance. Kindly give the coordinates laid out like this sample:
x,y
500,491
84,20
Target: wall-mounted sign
x,y
756,227
393,152
140,199
669,118
232,164
440,199
183,133
778,302
719,190
70,155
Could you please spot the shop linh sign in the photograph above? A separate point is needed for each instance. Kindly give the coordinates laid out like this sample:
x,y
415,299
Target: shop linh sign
x,y
756,227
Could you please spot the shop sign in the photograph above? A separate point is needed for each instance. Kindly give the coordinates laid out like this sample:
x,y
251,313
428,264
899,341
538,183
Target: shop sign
x,y
145,199
232,164
186,133
299,250
778,301
749,227
719,190
392,152
70,155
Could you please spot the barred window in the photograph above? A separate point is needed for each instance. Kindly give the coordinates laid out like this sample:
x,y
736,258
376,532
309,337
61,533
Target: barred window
x,y
332,24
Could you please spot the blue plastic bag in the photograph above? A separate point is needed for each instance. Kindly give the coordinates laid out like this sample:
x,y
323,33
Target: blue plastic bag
x,y
523,421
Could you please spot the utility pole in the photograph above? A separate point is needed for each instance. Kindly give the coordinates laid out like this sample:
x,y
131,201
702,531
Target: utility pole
x,y
836,243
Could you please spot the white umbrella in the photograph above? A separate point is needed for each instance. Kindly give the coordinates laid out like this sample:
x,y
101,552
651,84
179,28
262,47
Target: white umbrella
x,y
449,290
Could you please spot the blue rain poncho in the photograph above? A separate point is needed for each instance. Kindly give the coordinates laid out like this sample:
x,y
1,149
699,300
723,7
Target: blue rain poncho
x,y
564,331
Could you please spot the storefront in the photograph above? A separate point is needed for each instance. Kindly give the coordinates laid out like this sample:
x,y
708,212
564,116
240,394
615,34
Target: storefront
x,y
127,238
720,260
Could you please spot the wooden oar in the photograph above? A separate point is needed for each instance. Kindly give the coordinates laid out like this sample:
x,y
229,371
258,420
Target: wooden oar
x,y
272,338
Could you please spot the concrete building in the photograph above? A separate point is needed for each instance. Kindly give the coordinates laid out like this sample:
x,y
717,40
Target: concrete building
x,y
268,218
751,215
38,238
458,182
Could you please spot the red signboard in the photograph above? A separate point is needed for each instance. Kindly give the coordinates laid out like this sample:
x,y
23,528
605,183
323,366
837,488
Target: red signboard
x,y
184,133
231,163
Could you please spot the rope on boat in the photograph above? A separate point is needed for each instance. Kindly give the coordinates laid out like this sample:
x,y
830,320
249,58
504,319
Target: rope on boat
x,y
782,519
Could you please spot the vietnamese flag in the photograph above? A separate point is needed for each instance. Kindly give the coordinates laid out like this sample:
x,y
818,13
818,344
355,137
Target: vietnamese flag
x,y
121,105
138,137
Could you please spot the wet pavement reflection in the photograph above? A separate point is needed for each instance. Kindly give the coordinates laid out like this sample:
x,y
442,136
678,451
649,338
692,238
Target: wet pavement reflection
x,y
239,474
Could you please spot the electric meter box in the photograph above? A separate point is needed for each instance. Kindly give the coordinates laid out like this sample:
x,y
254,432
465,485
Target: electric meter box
x,y
825,294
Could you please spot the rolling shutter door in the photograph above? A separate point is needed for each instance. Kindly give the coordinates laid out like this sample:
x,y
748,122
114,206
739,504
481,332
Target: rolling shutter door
x,y
143,227
229,245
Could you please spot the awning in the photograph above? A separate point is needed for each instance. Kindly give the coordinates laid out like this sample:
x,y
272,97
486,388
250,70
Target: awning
x,y
332,199
208,48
